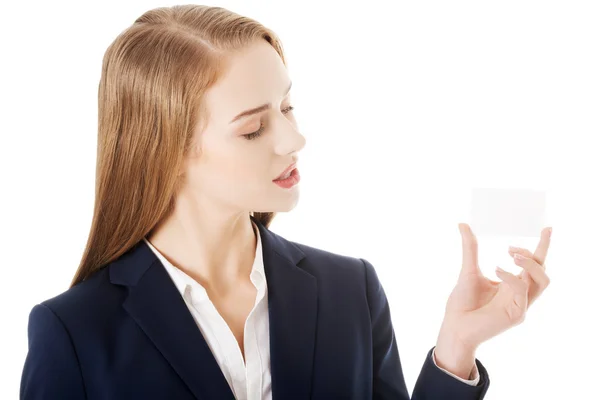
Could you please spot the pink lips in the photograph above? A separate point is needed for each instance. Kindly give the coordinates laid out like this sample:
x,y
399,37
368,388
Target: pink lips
x,y
288,169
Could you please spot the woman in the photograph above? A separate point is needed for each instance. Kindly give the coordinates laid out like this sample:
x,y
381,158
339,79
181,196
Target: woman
x,y
183,292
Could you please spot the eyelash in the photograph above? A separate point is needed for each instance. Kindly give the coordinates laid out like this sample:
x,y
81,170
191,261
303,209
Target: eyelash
x,y
254,135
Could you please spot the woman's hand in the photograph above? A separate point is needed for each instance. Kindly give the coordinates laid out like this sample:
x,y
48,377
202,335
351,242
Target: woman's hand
x,y
479,308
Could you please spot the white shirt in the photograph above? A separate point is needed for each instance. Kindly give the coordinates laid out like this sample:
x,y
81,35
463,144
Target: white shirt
x,y
252,380
249,381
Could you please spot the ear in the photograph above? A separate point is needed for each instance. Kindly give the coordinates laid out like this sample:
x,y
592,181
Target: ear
x,y
182,169
194,152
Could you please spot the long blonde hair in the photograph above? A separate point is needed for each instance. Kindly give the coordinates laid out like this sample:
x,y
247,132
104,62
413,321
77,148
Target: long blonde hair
x,y
150,99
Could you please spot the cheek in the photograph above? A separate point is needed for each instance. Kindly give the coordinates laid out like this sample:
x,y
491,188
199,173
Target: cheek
x,y
235,164
220,159
239,166
232,165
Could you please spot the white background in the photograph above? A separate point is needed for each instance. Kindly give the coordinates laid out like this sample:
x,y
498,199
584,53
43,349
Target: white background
x,y
405,106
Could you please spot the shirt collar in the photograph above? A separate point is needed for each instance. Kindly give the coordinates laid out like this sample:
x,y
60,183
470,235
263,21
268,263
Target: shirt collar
x,y
182,280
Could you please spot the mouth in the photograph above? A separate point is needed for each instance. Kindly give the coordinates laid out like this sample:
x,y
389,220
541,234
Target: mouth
x,y
285,174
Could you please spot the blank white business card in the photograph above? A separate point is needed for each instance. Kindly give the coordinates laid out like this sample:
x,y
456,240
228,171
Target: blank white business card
x,y
508,212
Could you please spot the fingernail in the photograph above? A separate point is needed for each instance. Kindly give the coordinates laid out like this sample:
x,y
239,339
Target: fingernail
x,y
549,232
512,248
520,257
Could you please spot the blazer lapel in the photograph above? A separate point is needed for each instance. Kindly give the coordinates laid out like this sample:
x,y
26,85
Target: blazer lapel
x,y
158,308
292,294
160,311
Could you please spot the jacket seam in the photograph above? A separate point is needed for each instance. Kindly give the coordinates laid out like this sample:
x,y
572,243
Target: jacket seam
x,y
72,345
367,290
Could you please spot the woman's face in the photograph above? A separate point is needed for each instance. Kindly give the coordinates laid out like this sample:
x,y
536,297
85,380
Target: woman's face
x,y
236,171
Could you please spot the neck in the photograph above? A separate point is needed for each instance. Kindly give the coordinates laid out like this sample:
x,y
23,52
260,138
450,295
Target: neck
x,y
216,250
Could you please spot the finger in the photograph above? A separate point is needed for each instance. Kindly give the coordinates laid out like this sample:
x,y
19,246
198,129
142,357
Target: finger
x,y
469,250
512,250
538,275
519,250
526,278
542,248
532,294
518,286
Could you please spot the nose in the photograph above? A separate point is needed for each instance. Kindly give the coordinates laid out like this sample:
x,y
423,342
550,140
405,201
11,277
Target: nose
x,y
290,140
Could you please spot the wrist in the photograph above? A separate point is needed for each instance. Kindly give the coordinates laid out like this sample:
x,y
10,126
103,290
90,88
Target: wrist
x,y
454,355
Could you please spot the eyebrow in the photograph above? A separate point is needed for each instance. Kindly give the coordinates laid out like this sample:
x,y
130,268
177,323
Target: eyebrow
x,y
258,109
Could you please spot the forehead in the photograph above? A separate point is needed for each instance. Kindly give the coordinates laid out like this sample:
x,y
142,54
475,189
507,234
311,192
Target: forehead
x,y
253,76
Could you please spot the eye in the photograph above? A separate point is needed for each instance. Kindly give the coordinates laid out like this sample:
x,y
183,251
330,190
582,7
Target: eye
x,y
259,132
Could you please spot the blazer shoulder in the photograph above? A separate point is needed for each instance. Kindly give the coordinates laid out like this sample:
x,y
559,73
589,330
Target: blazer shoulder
x,y
88,297
320,260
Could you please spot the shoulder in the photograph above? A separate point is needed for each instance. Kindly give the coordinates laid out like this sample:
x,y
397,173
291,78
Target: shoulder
x,y
341,276
338,269
94,298
332,265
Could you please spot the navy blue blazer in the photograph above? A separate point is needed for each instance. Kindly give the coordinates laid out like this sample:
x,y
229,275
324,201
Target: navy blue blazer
x,y
126,333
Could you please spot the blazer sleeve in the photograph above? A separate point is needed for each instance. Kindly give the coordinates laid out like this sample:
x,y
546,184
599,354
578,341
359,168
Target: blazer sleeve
x,y
51,369
388,378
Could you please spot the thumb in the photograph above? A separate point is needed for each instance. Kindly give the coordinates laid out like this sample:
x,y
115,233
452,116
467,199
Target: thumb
x,y
470,264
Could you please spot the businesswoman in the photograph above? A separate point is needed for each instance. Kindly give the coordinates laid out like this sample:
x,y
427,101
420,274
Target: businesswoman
x,y
183,292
